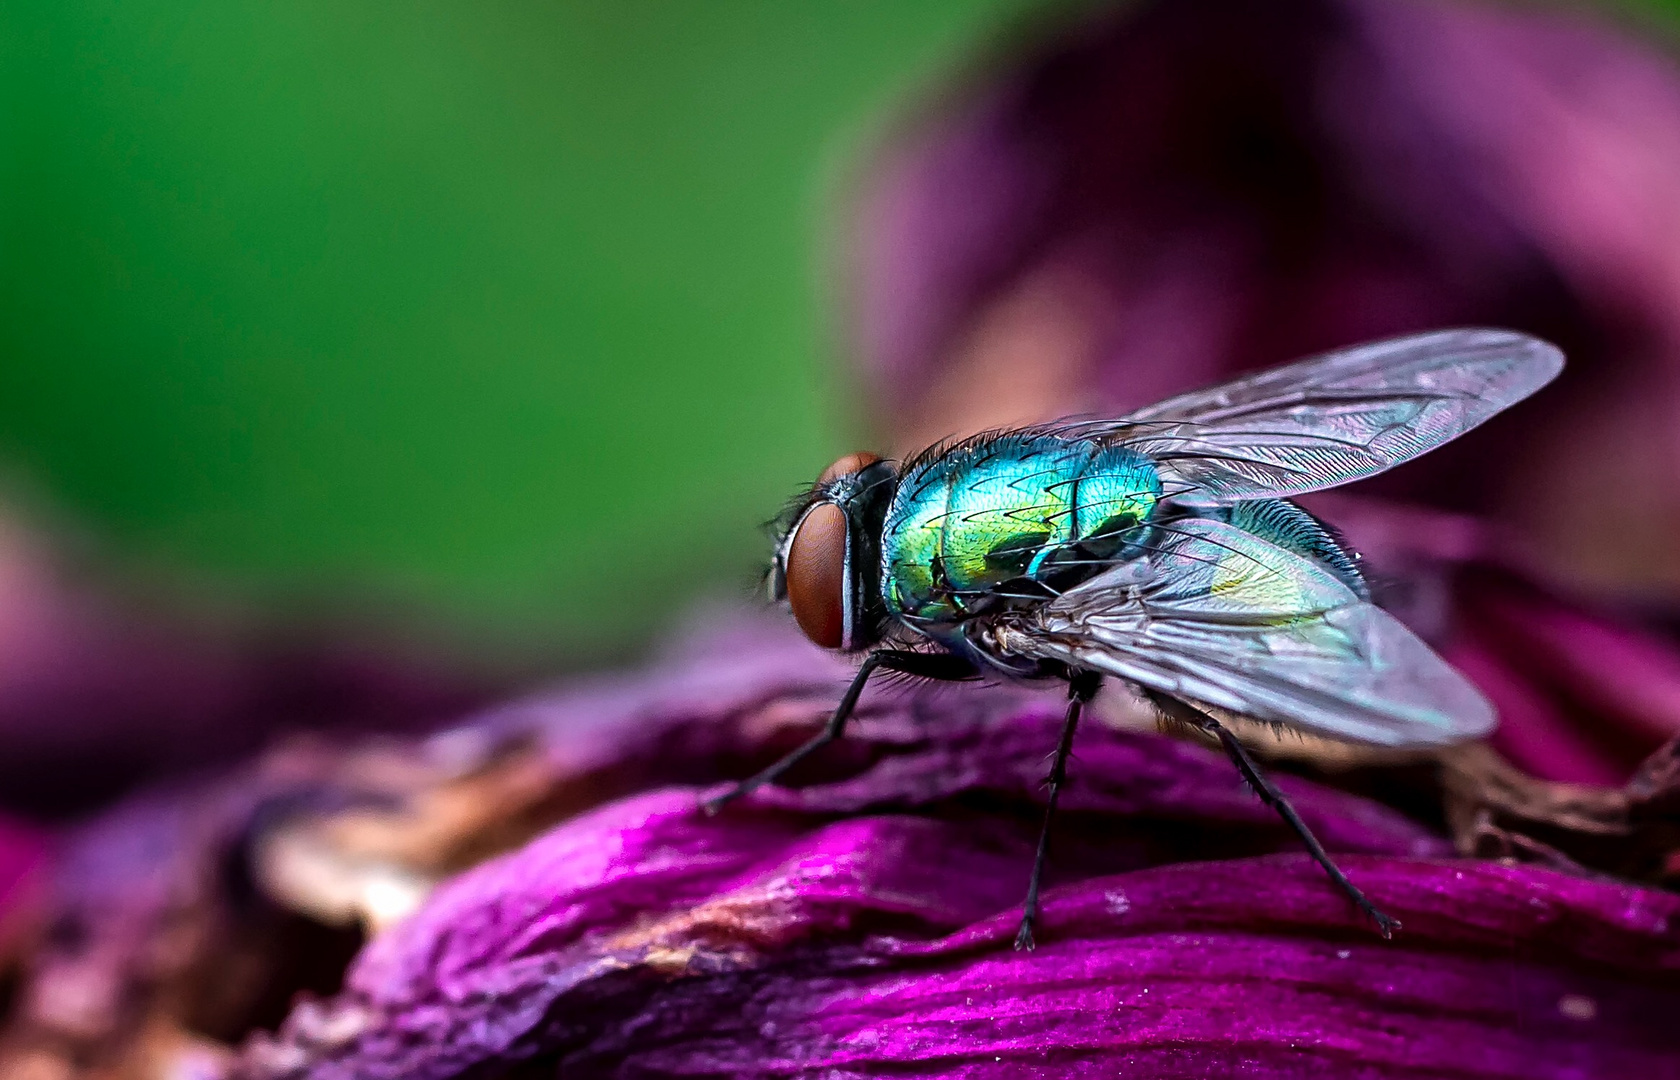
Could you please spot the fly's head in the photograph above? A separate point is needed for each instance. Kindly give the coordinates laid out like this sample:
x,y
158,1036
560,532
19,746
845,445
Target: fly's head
x,y
827,563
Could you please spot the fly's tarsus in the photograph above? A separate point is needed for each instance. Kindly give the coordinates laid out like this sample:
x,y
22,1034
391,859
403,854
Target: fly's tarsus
x,y
1082,687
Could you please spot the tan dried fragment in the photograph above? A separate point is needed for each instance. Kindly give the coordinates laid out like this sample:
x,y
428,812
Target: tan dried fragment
x,y
1495,810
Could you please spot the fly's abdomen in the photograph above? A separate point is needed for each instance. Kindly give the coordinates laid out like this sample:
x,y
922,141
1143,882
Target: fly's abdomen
x,y
1281,522
967,524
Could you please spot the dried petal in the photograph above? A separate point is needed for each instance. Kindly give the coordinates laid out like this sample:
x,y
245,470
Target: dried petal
x,y
647,938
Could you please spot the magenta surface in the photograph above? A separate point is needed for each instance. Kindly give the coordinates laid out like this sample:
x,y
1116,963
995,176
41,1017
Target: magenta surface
x,y
861,926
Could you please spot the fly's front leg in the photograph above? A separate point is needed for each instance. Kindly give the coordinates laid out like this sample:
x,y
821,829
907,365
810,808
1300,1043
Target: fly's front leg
x,y
940,666
1082,687
1184,713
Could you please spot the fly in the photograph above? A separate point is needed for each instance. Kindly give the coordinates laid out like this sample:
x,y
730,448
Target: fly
x,y
1160,549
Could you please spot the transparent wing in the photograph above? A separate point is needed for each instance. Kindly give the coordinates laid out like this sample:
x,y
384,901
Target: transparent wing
x,y
1218,616
1331,419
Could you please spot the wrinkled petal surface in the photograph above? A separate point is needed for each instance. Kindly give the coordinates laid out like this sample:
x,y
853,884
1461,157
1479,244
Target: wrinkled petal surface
x,y
862,927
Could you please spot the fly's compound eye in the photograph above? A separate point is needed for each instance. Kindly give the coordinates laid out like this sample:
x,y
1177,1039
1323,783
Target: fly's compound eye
x,y
816,575
851,463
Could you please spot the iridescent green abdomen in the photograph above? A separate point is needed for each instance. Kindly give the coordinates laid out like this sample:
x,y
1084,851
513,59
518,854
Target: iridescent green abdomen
x,y
974,518
1281,522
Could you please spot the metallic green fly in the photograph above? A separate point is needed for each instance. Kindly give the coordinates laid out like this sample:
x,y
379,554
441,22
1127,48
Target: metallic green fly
x,y
1159,549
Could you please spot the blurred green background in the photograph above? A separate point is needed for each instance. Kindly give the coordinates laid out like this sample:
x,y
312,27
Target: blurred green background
x,y
511,311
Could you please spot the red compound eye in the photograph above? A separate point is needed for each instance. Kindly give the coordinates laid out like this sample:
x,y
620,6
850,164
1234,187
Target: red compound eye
x,y
816,575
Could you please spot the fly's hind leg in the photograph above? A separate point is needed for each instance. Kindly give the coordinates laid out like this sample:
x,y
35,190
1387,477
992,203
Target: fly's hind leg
x,y
943,667
1181,712
1082,687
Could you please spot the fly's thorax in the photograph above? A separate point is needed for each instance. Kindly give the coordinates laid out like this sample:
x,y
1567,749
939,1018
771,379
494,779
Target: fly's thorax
x,y
978,526
1119,490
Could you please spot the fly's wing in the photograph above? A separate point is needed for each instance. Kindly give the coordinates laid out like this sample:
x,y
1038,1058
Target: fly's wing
x,y
1218,616
1331,419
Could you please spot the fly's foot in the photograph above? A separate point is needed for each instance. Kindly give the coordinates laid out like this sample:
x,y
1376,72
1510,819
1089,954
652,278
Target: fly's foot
x,y
1024,936
711,806
1386,924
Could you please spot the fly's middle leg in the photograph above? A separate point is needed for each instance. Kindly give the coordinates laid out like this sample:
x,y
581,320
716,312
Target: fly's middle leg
x,y
1184,713
1082,687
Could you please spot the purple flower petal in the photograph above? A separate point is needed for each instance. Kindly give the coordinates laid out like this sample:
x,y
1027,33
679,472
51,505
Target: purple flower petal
x,y
862,926
647,939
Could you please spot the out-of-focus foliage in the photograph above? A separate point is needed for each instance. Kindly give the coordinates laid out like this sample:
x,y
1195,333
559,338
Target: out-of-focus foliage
x,y
503,305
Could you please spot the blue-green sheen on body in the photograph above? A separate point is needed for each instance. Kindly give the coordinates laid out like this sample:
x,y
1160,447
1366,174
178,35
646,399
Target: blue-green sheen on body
x,y
969,520
1281,522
